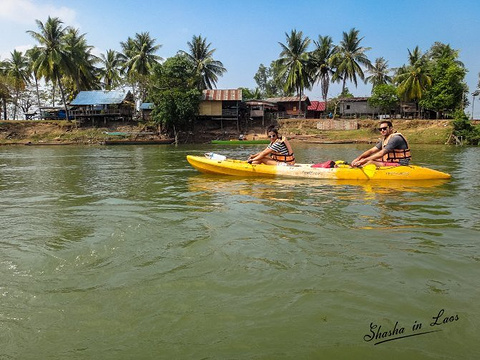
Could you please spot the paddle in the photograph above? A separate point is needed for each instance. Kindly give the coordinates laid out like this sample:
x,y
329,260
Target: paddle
x,y
369,170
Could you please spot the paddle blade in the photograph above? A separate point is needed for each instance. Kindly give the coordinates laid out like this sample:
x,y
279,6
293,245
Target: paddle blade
x,y
369,170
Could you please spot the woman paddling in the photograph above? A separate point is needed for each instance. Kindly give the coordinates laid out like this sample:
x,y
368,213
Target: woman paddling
x,y
279,151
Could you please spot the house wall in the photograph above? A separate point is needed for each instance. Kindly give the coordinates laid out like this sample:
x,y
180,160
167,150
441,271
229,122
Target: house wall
x,y
290,108
256,112
357,107
314,114
210,108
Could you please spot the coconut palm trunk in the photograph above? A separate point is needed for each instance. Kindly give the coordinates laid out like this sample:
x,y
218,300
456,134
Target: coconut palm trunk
x,y
63,97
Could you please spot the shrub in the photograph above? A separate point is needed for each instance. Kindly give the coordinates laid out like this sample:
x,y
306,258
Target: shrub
x,y
462,128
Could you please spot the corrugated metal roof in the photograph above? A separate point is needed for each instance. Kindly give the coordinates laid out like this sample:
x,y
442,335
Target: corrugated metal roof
x,y
101,97
354,99
259,102
317,106
219,95
287,99
147,106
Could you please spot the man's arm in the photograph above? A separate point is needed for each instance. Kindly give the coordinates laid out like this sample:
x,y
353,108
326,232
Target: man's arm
x,y
365,154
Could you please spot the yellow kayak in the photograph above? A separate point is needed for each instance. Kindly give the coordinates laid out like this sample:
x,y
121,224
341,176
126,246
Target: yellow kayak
x,y
341,172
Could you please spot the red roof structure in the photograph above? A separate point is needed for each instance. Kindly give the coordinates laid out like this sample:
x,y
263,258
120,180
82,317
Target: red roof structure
x,y
316,106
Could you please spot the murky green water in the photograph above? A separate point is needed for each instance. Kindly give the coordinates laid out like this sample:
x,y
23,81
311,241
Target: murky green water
x,y
129,253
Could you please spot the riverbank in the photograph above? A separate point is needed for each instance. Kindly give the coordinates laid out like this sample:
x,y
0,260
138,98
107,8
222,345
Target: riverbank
x,y
52,132
304,130
416,131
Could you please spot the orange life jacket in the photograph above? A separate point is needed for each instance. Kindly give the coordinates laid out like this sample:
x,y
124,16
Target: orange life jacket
x,y
289,159
396,155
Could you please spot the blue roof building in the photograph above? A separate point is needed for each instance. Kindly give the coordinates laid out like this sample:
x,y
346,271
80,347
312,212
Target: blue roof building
x,y
147,106
101,97
103,105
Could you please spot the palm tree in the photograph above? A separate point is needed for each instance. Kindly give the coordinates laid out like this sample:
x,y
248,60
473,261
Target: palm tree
x,y
110,73
82,70
32,55
139,58
379,73
53,59
17,68
5,87
320,62
249,94
414,56
208,70
413,80
294,63
350,55
444,51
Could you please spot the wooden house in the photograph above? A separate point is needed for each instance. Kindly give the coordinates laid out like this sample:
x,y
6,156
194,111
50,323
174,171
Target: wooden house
x,y
103,105
408,110
146,110
356,107
316,109
221,105
288,106
260,109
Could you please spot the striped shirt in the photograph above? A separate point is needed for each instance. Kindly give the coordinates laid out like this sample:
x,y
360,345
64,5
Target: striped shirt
x,y
279,147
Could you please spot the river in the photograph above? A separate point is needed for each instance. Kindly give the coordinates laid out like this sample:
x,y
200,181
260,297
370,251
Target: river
x,y
127,252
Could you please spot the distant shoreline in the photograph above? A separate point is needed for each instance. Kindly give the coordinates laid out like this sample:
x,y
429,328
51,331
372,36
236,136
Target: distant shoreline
x,y
302,130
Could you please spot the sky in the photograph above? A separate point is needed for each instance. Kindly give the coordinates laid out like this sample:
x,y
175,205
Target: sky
x,y
248,33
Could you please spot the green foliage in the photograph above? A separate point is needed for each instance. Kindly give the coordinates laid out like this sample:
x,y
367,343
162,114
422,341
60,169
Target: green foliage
x,y
384,97
270,82
414,79
379,73
176,109
293,62
175,72
461,123
346,93
248,94
207,68
175,95
110,72
138,60
448,88
349,58
51,60
462,128
320,63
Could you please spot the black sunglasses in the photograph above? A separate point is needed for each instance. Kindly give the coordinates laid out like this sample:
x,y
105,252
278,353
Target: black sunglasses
x,y
382,128
272,136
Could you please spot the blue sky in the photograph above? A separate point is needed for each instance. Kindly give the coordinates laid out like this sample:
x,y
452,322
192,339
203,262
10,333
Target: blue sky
x,y
247,33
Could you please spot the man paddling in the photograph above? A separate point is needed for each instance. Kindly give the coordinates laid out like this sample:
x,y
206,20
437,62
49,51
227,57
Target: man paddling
x,y
392,150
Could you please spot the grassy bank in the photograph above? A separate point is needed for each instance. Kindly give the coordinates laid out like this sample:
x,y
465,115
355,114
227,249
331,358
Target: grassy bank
x,y
59,132
416,131
63,132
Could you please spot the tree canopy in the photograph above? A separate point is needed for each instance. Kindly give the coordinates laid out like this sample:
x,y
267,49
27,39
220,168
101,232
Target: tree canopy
x,y
349,57
174,93
207,68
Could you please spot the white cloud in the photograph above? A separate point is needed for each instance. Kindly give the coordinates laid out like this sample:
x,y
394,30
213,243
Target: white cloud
x,y
25,12
18,16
